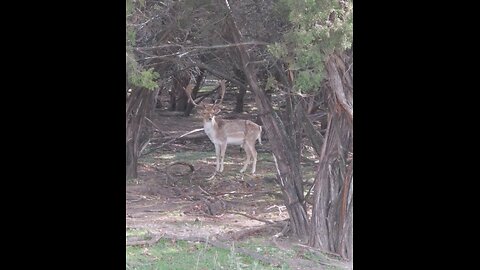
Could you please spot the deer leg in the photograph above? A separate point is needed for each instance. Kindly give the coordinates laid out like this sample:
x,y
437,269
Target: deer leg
x,y
223,148
217,154
247,161
254,155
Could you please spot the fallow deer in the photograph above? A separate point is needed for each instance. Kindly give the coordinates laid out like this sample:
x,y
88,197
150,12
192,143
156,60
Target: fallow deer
x,y
224,132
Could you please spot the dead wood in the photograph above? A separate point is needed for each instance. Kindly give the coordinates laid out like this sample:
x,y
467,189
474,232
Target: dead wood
x,y
170,177
174,139
154,125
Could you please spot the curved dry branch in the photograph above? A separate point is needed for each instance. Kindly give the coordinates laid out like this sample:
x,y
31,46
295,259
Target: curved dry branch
x,y
170,177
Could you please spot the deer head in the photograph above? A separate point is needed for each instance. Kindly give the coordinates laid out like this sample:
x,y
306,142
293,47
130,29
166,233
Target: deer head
x,y
208,111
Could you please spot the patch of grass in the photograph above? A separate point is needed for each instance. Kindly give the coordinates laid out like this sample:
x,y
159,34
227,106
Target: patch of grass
x,y
192,156
181,255
206,88
147,159
136,232
261,246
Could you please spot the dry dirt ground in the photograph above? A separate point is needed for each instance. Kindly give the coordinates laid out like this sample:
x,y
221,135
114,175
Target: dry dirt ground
x,y
173,201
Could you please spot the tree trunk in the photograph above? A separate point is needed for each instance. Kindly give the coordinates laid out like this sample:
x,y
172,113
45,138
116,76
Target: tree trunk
x,y
288,169
332,214
180,81
241,91
140,104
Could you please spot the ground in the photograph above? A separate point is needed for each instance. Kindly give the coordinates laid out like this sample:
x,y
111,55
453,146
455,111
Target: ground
x,y
175,197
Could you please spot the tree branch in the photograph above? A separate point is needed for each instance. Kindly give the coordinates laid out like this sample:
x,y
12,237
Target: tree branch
x,y
203,47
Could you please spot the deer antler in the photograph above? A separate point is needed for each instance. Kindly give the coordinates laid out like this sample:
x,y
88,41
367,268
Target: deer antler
x,y
222,92
188,90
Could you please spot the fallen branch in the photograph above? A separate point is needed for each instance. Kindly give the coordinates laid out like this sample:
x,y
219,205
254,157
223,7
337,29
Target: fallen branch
x,y
204,191
170,177
172,140
183,135
154,125
251,217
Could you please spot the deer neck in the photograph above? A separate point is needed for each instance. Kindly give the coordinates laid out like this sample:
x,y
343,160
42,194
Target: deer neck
x,y
211,125
208,126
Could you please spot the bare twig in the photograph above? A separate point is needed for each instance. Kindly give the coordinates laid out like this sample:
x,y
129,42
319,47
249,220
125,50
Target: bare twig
x,y
183,135
172,140
153,124
208,194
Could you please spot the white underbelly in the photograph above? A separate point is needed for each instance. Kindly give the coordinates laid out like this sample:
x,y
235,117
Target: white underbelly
x,y
235,141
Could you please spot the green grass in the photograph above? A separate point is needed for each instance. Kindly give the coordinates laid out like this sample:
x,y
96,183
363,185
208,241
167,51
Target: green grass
x,y
261,246
136,232
181,255
188,156
206,88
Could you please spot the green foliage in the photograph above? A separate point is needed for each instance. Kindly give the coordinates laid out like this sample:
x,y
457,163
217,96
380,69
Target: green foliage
x,y
308,80
279,50
136,74
319,27
129,7
130,36
144,78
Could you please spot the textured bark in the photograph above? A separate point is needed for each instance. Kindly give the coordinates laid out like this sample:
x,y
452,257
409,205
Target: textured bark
x,y
179,99
288,169
241,92
332,214
140,104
